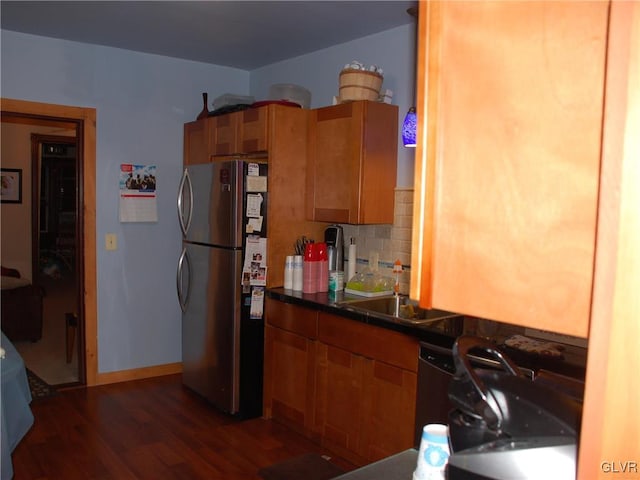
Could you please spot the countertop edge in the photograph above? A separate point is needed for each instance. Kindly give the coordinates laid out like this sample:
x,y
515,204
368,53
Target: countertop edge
x,y
324,302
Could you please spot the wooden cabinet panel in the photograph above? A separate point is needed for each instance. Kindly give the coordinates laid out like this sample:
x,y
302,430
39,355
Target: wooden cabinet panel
x,y
365,408
354,391
196,142
610,433
253,129
513,93
223,134
340,395
289,379
373,342
241,132
292,318
351,163
375,370
287,167
388,409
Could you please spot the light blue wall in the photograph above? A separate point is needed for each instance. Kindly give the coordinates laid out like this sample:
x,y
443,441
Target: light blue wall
x,y
393,50
142,102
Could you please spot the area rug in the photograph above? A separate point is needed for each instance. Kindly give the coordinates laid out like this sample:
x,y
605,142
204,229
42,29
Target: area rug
x,y
310,466
39,388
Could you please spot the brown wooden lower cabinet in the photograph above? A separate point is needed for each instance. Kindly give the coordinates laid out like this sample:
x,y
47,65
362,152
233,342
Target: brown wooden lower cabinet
x,y
388,409
356,405
365,408
289,379
340,400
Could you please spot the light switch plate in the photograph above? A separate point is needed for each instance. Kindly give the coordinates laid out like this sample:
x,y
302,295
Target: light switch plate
x,y
111,241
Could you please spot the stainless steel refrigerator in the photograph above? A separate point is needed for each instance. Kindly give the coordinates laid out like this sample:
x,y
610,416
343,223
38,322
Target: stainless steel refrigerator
x,y
222,324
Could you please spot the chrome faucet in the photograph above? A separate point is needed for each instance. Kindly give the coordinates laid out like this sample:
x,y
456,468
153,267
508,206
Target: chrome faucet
x,y
397,270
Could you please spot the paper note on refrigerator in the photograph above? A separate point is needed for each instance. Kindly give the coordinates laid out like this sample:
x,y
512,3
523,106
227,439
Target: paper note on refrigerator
x,y
254,225
253,169
256,184
254,204
257,303
255,260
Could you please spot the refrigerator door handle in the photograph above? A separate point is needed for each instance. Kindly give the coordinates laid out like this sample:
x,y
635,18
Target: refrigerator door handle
x,y
185,217
183,296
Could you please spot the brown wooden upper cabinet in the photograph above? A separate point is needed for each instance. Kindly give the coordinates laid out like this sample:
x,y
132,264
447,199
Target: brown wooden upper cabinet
x,y
240,132
196,142
244,132
351,163
510,106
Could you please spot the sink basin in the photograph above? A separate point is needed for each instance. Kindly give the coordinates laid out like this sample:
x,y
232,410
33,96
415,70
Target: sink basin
x,y
401,310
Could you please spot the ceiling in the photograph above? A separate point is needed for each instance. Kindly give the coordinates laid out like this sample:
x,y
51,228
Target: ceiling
x,y
241,34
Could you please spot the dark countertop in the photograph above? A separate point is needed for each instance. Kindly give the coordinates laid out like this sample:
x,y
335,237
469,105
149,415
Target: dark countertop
x,y
440,332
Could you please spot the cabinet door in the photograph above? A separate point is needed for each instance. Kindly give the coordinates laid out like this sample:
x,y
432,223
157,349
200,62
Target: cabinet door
x,y
289,379
340,391
513,94
241,132
351,164
293,318
224,134
369,341
389,404
287,175
196,142
610,433
253,130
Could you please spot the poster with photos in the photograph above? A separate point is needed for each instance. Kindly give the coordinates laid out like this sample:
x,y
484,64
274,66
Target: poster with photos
x,y
137,185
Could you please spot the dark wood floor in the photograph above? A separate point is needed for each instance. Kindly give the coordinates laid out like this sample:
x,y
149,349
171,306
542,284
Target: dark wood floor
x,y
149,429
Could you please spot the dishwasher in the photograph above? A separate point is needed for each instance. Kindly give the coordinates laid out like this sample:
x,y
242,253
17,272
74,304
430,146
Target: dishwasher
x,y
435,370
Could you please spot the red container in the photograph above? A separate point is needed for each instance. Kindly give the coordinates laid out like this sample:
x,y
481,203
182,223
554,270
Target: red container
x,y
323,267
310,269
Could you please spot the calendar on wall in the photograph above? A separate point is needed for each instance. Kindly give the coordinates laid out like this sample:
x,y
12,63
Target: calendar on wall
x,y
138,201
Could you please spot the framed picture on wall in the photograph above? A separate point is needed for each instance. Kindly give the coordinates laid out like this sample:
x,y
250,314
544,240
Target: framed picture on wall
x,y
11,185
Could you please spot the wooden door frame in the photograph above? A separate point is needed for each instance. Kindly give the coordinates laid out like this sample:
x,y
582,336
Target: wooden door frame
x,y
43,113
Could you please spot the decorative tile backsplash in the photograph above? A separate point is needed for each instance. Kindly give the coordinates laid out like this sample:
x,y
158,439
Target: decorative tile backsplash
x,y
391,242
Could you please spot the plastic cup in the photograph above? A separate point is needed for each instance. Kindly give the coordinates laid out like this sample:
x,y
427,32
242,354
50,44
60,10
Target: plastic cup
x,y
433,454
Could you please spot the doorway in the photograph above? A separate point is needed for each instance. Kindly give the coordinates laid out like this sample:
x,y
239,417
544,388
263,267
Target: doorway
x,y
83,122
56,217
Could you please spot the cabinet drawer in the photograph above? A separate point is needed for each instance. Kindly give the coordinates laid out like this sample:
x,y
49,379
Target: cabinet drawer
x,y
293,318
373,342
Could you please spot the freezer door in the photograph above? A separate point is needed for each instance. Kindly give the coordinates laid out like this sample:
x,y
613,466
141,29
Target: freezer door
x,y
216,196
211,325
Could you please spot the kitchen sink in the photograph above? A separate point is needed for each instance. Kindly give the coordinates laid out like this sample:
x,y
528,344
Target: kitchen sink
x,y
401,310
